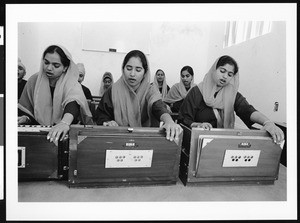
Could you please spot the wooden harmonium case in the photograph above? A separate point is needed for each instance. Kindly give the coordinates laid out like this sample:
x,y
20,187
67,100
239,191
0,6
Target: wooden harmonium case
x,y
121,156
38,158
228,156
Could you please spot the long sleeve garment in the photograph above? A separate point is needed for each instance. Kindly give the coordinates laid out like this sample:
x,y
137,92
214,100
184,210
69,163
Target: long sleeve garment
x,y
105,110
72,108
87,92
194,109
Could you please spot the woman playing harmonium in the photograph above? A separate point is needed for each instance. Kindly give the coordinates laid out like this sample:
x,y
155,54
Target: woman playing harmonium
x,y
133,101
53,95
213,102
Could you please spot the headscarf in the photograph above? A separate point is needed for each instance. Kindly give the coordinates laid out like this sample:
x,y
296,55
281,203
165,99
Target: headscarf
x,y
36,98
129,104
21,65
223,103
81,67
164,91
177,92
105,75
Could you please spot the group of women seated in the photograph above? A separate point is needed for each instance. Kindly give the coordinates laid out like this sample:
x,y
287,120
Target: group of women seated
x,y
53,96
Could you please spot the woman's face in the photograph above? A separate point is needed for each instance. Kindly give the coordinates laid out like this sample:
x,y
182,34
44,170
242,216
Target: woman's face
x,y
186,78
223,75
160,76
21,72
107,82
53,68
134,72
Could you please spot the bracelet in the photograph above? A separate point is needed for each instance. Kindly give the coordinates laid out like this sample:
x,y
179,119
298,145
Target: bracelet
x,y
267,122
62,121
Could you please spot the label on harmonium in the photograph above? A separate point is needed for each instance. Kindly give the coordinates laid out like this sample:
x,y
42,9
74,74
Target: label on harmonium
x,y
34,128
128,158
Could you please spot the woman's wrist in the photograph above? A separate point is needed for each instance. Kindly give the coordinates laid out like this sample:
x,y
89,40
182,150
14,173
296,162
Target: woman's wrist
x,y
64,122
268,121
196,124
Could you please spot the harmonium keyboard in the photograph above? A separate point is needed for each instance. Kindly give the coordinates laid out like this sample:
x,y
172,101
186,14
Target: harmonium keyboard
x,y
121,156
228,156
39,159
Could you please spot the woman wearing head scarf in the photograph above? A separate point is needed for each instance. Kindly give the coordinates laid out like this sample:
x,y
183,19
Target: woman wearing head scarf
x,y
21,74
86,91
106,82
53,96
213,102
179,91
132,101
161,83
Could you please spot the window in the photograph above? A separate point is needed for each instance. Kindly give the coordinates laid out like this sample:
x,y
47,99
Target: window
x,y
240,31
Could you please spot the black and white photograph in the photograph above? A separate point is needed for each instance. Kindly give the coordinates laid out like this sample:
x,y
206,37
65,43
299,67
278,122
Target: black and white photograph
x,y
151,111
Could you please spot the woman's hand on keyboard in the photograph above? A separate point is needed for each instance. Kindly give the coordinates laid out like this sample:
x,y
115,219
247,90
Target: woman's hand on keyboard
x,y
57,132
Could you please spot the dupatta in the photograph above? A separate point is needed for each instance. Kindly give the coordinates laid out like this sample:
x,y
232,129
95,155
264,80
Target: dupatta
x,y
177,92
223,103
164,91
36,98
129,104
21,64
105,75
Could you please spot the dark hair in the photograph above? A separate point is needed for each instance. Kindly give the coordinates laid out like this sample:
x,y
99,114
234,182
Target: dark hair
x,y
159,70
189,69
227,60
56,49
139,54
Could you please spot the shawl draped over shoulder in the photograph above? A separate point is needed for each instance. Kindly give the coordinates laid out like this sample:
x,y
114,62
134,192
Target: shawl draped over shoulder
x,y
177,92
105,75
223,103
129,104
36,99
164,91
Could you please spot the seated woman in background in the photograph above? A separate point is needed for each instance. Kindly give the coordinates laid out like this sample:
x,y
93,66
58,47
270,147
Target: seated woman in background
x,y
132,101
161,83
213,102
21,74
106,82
85,89
179,91
53,96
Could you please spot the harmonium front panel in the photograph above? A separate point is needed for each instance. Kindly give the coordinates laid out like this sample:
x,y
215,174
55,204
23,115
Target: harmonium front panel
x,y
230,156
39,159
118,156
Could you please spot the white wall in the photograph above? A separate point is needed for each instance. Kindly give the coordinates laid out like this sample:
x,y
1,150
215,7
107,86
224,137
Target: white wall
x,y
172,46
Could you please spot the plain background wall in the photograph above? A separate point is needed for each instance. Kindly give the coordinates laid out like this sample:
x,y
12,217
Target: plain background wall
x,y
262,61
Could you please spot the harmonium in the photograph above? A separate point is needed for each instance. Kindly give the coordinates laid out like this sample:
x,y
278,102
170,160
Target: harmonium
x,y
39,159
120,156
228,156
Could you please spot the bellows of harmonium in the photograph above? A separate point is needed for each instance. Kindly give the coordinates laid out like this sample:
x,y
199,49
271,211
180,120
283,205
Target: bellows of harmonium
x,y
98,156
